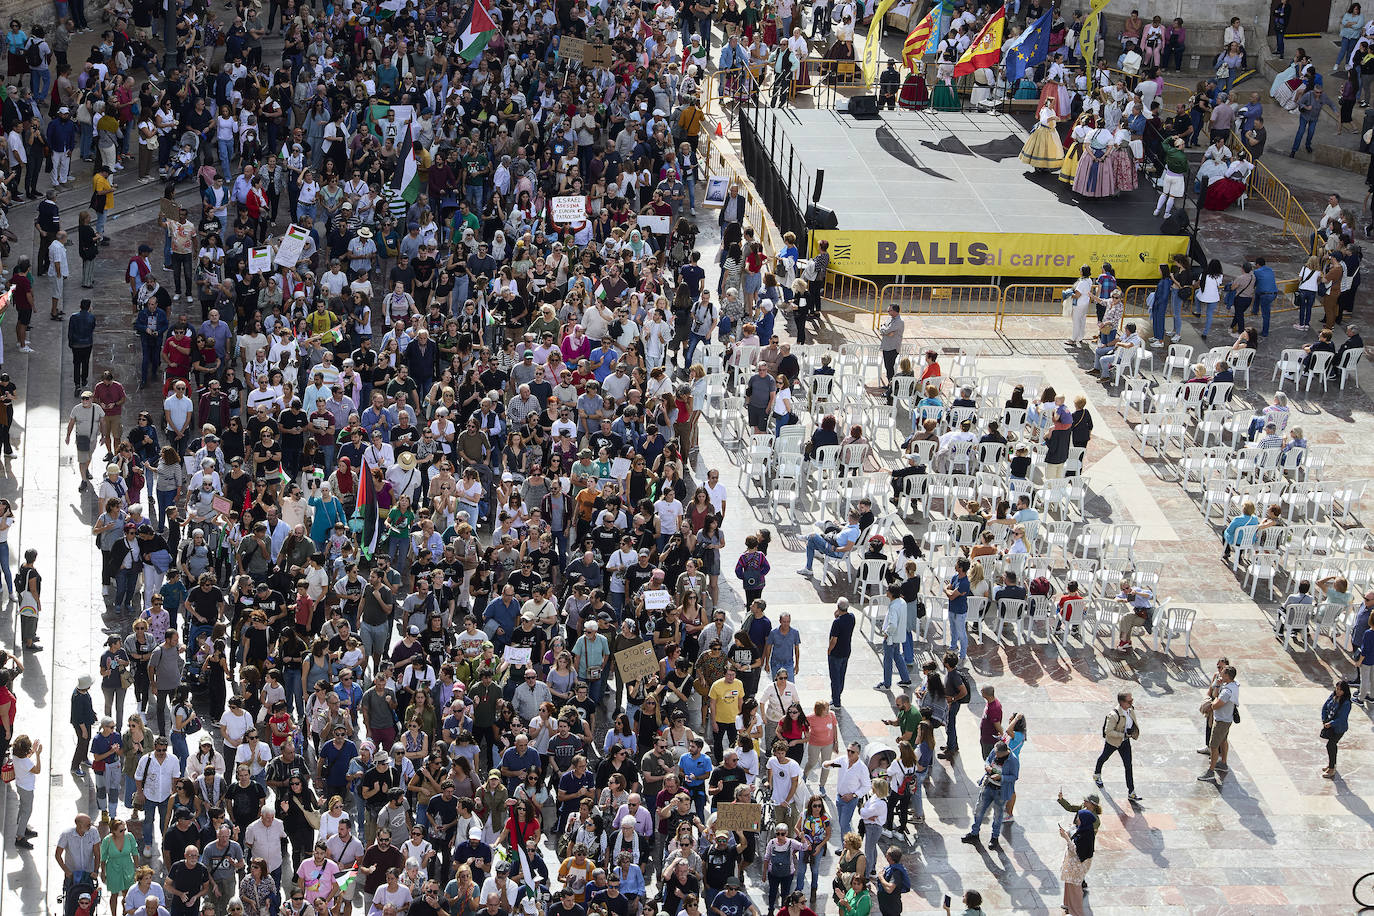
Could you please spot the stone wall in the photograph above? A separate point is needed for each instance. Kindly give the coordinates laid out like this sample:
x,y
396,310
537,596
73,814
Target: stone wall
x,y
1205,21
33,12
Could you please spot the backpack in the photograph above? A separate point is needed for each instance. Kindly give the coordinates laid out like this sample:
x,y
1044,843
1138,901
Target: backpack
x,y
33,54
1040,586
967,677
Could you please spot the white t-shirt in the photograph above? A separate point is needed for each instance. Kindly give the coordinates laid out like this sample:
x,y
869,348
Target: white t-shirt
x,y
236,726
782,775
25,773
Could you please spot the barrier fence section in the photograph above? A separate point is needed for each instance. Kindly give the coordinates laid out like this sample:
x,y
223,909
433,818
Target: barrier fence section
x,y
1031,300
1268,188
849,291
953,300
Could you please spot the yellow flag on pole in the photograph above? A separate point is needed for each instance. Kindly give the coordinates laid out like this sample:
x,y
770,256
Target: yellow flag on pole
x,y
873,44
1087,38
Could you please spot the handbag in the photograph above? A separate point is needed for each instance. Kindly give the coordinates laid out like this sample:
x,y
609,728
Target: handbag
x,y
1326,734
7,770
126,678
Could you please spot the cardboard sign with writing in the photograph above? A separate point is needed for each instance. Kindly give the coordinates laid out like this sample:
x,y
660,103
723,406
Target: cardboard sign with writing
x,y
637,662
222,504
570,208
573,50
516,656
739,816
656,599
597,55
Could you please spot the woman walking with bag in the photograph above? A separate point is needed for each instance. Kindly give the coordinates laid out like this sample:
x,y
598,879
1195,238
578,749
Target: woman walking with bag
x,y
1335,723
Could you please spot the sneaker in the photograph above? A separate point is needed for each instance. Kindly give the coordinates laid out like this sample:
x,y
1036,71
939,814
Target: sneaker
x,y
177,297
147,852
881,686
1097,778
23,843
1008,819
1204,751
969,838
805,572
1223,767
29,832
26,349
1209,776
1134,797
1175,338
994,845
904,683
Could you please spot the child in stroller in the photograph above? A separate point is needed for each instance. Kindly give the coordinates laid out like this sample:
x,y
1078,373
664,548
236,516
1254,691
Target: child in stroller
x,y
183,162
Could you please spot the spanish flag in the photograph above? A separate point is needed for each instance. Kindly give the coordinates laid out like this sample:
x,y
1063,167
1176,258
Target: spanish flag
x,y
918,42
986,50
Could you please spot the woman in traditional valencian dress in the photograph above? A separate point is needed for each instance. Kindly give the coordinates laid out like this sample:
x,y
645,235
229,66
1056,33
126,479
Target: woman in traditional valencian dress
x,y
914,95
1082,130
1122,159
944,97
1094,175
1043,149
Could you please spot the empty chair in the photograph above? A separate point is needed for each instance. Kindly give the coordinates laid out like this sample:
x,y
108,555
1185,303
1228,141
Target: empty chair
x,y
1042,611
1175,623
787,491
1263,565
1093,537
1180,357
1288,367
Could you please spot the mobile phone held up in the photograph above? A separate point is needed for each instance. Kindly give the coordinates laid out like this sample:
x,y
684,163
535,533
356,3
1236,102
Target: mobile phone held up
x,y
947,901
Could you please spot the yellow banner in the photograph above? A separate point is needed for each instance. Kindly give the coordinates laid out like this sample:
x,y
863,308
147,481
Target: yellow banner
x,y
874,252
1087,38
873,44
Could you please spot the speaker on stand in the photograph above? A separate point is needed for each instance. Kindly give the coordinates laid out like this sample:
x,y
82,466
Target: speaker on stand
x,y
818,217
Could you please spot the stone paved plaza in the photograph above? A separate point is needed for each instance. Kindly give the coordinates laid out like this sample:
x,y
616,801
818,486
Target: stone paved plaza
x,y
1275,837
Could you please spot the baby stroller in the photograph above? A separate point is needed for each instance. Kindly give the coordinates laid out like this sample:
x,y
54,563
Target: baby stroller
x,y
83,883
182,163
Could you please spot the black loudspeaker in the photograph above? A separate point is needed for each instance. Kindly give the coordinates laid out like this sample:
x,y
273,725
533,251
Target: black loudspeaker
x,y
818,217
820,183
864,107
1176,224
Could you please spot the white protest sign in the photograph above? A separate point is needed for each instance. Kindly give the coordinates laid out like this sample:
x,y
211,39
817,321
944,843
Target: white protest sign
x,y
571,208
292,246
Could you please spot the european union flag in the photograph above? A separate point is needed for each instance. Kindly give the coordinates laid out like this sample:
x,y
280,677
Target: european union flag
x,y
1032,47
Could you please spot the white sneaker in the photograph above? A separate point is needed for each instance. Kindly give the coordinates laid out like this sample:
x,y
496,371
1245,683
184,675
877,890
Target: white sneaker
x,y
26,349
1176,338
177,297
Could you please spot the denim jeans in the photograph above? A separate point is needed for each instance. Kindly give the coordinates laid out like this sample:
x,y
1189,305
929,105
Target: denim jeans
x,y
165,500
892,658
40,81
5,566
951,730
845,813
813,862
815,544
1305,299
1176,306
126,586
179,749
1159,312
291,681
1207,319
839,667
991,797
1263,303
909,647
1304,124
151,810
958,634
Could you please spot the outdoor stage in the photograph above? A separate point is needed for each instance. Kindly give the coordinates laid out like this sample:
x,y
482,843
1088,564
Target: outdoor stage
x,y
952,173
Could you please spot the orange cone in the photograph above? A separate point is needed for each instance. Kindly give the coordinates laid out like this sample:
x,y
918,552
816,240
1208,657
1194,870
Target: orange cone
x,y
720,132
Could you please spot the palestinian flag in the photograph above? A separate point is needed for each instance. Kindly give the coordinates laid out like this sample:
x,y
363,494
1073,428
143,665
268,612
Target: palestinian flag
x,y
695,53
407,180
918,42
474,32
366,509
986,50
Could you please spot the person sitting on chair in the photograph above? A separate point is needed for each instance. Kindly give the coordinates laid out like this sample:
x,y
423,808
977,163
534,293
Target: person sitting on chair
x,y
835,544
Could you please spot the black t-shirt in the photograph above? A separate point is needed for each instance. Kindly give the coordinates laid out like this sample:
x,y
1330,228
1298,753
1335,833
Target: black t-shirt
x,y
188,879
718,864
175,841
730,778
842,629
443,811
244,803
293,423
205,603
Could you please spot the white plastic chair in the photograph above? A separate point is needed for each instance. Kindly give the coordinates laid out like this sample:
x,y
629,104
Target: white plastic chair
x,y
1349,366
1175,623
1288,367
1241,361
1181,358
1319,369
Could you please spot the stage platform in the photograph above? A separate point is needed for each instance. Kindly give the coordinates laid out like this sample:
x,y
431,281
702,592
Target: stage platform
x,y
950,171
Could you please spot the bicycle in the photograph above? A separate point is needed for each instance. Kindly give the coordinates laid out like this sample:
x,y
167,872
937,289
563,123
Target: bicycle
x,y
1363,891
